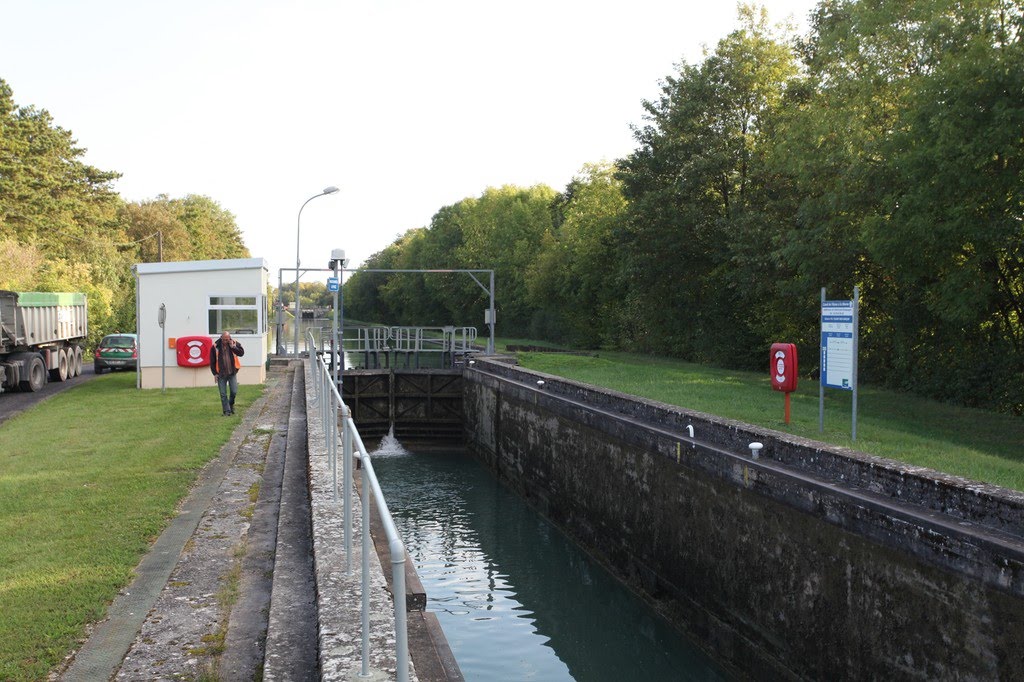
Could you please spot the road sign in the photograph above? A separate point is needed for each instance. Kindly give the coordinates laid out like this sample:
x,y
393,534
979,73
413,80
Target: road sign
x,y
837,347
332,284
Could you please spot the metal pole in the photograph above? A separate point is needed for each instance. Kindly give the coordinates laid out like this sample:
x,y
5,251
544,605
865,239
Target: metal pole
x,y
821,366
856,352
280,313
401,628
346,468
334,337
326,404
298,304
366,577
341,330
334,446
295,320
162,317
138,326
490,341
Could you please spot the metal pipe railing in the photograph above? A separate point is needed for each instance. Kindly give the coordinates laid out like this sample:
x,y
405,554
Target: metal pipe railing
x,y
329,403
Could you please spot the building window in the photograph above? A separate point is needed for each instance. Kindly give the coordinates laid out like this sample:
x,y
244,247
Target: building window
x,y
235,314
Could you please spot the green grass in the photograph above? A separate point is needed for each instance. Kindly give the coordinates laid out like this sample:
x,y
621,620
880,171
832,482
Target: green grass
x,y
88,479
983,446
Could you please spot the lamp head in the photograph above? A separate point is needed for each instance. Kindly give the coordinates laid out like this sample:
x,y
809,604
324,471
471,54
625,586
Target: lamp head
x,y
331,190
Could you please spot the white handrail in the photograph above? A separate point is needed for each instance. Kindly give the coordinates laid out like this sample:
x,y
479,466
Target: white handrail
x,y
330,404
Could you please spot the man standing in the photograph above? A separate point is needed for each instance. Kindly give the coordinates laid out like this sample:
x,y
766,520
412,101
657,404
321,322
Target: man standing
x,y
224,364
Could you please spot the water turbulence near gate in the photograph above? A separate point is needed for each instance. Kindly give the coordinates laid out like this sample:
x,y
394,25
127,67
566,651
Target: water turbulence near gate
x,y
516,598
389,447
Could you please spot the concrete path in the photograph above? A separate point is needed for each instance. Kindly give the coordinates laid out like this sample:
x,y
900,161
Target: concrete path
x,y
339,582
250,580
170,622
245,644
292,636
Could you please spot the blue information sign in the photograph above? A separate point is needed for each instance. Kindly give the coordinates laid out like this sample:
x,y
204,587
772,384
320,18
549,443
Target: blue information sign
x,y
837,344
839,341
332,284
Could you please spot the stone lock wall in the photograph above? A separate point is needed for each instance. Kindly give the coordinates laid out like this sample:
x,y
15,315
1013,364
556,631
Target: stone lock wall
x,y
811,562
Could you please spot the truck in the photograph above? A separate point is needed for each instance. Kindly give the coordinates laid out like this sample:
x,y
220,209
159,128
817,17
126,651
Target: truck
x,y
42,336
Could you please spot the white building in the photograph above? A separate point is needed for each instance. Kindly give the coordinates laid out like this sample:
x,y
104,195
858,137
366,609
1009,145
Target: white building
x,y
201,299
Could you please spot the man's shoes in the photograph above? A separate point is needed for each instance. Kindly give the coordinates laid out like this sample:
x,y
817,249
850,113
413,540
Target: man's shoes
x,y
227,413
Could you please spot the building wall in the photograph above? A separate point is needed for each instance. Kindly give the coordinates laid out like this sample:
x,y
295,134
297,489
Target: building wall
x,y
188,377
185,289
810,562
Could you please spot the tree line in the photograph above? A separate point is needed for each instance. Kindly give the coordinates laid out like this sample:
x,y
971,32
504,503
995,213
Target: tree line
x,y
63,227
882,149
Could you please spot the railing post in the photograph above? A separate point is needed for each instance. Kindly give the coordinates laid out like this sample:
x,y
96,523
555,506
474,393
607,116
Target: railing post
x,y
350,442
401,630
334,446
346,469
366,575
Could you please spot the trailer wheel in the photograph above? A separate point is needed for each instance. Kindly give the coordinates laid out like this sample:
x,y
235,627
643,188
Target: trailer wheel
x,y
78,361
60,373
36,375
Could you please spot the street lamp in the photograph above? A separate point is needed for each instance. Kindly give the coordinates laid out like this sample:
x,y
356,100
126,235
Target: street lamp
x,y
298,306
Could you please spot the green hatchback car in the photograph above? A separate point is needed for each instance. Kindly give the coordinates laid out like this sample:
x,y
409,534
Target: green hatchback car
x,y
116,351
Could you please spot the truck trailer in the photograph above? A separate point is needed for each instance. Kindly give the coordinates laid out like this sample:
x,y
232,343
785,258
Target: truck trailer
x,y
41,334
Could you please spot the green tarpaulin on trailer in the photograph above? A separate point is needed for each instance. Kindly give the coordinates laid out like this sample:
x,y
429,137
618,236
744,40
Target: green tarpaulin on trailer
x,y
35,299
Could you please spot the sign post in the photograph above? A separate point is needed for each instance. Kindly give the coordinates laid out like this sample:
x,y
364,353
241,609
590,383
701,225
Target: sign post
x,y
337,263
161,318
839,350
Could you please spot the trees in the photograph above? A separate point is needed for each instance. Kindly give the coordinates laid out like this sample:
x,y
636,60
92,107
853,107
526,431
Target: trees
x,y
573,283
57,214
501,230
193,228
903,145
63,227
690,186
882,150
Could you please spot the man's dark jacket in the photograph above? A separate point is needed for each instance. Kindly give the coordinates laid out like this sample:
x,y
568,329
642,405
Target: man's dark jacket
x,y
232,353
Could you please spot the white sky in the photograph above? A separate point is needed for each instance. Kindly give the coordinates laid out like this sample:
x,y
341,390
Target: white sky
x,y
407,106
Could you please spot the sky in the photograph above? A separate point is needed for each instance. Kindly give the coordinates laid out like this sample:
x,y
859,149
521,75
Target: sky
x,y
406,106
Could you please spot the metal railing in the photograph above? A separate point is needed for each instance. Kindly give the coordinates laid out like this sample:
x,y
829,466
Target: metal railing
x,y
330,406
387,343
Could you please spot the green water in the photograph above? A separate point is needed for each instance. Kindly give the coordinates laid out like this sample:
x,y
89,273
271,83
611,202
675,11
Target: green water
x,y
516,598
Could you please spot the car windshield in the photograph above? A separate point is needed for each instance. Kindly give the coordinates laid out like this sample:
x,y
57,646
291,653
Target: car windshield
x,y
118,342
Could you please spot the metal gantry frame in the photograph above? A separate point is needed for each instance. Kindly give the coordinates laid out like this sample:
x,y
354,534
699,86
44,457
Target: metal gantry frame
x,y
489,290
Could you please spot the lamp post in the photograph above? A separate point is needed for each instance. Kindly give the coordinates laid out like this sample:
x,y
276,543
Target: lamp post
x,y
298,306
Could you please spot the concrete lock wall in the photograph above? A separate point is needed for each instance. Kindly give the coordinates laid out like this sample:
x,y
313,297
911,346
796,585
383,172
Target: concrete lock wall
x,y
810,562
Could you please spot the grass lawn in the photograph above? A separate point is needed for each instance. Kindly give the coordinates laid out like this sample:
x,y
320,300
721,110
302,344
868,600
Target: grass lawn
x,y
88,479
983,446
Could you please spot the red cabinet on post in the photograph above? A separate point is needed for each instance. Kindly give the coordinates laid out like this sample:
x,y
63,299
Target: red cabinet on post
x,y
782,366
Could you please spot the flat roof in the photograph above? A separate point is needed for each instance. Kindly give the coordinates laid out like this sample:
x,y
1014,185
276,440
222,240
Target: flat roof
x,y
201,266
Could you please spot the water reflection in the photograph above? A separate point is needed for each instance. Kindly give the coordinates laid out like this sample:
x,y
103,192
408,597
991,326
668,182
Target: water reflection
x,y
516,598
